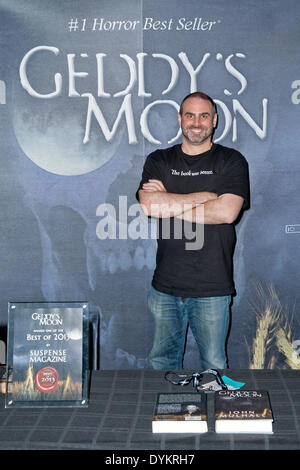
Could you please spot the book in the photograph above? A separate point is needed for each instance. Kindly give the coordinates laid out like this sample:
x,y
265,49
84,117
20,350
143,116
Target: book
x,y
180,413
243,411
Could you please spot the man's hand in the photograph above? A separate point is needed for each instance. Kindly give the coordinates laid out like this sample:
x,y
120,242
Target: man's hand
x,y
153,185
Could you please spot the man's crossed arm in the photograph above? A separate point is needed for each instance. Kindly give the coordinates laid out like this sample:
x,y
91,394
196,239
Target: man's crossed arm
x,y
157,202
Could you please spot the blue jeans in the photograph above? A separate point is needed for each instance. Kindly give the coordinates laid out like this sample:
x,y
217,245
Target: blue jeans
x,y
208,318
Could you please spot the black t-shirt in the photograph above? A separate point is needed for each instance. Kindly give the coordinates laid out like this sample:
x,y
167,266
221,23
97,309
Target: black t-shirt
x,y
206,272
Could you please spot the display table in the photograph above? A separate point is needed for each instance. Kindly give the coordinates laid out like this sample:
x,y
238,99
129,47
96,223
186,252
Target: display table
x,y
120,413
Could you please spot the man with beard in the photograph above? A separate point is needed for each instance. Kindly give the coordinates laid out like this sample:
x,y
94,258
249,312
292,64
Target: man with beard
x,y
205,185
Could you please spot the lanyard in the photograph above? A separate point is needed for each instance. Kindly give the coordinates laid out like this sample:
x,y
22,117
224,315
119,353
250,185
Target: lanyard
x,y
195,378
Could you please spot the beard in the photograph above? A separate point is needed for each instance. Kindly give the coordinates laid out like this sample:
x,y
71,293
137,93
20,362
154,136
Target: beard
x,y
197,137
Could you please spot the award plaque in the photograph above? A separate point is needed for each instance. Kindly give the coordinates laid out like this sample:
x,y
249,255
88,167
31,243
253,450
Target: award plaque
x,y
47,354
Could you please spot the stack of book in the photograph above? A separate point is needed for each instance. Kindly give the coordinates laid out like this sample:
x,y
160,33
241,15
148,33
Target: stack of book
x,y
243,411
180,412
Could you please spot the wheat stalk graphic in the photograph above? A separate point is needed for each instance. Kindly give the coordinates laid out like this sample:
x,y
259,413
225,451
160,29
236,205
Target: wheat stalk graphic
x,y
269,332
285,346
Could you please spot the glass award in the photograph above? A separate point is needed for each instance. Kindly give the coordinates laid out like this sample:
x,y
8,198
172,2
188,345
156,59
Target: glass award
x,y
47,354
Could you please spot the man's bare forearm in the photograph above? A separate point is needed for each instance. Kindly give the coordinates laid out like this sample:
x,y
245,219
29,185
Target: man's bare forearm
x,y
223,210
162,204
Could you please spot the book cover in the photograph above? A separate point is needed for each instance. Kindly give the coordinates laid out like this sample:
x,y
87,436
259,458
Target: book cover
x,y
243,411
180,412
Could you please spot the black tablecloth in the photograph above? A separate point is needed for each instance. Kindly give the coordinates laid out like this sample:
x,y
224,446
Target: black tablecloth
x,y
120,413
